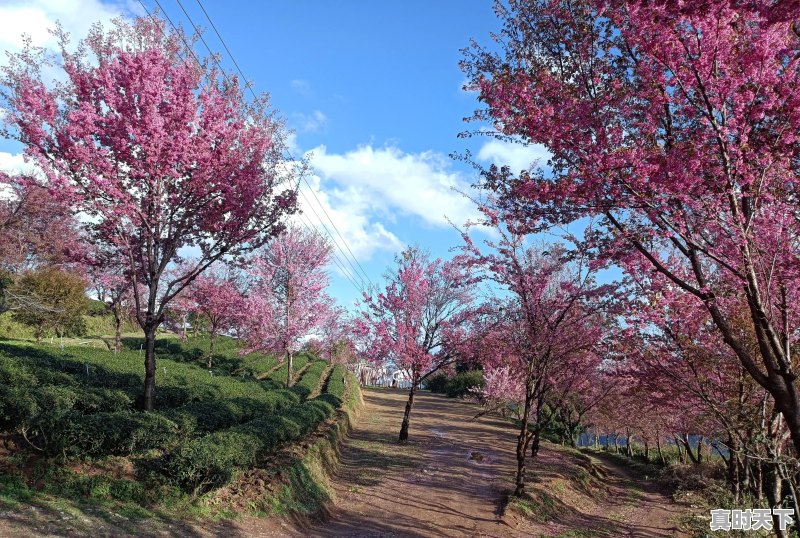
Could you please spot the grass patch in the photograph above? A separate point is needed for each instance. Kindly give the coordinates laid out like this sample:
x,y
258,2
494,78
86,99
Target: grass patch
x,y
576,533
536,505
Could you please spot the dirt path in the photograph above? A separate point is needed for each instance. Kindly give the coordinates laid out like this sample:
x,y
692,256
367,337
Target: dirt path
x,y
644,506
451,478
447,481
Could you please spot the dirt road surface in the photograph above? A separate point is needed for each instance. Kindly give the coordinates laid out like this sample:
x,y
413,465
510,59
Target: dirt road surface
x,y
451,479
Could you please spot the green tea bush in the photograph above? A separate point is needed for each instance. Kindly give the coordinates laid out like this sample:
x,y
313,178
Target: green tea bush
x,y
81,401
438,383
463,382
256,365
209,416
310,379
211,461
101,434
335,385
281,373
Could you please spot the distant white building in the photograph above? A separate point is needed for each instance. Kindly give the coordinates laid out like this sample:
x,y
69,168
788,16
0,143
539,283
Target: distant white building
x,y
380,376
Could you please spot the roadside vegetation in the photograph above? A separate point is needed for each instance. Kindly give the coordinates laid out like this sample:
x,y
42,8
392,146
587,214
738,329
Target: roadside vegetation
x,y
71,431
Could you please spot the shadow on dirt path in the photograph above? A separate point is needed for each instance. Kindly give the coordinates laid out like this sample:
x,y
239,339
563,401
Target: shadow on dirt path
x,y
452,476
447,481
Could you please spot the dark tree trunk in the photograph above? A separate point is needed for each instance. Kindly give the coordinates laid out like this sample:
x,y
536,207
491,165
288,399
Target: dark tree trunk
x,y
211,339
289,376
117,328
523,439
688,446
774,491
536,436
409,404
678,445
148,402
535,442
628,445
660,452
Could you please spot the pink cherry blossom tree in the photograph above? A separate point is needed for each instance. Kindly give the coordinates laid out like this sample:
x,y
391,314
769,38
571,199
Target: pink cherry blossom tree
x,y
216,298
286,302
335,336
553,317
159,152
675,127
106,271
425,304
36,226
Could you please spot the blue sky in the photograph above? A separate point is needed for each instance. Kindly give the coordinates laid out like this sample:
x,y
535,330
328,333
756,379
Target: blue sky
x,y
371,89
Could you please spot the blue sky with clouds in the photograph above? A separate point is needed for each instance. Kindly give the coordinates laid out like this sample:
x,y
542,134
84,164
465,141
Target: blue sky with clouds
x,y
371,89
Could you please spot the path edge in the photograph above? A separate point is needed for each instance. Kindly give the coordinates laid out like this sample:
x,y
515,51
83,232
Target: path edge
x,y
307,495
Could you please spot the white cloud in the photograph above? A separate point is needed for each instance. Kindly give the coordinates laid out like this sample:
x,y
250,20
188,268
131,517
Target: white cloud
x,y
310,123
303,87
515,155
351,217
390,182
37,17
14,163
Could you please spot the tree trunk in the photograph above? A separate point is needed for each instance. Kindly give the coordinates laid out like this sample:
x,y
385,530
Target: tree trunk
x,y
117,328
688,446
660,452
646,450
681,458
522,447
700,449
148,402
535,442
786,401
409,404
289,359
773,485
211,339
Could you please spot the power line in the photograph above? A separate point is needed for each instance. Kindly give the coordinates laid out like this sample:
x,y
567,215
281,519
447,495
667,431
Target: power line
x,y
302,177
363,272
355,272
350,276
347,274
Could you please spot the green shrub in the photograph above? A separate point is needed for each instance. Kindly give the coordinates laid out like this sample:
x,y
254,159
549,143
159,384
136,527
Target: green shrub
x,y
438,383
50,301
95,307
298,361
463,382
17,406
209,416
256,365
101,434
335,385
211,461
310,379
